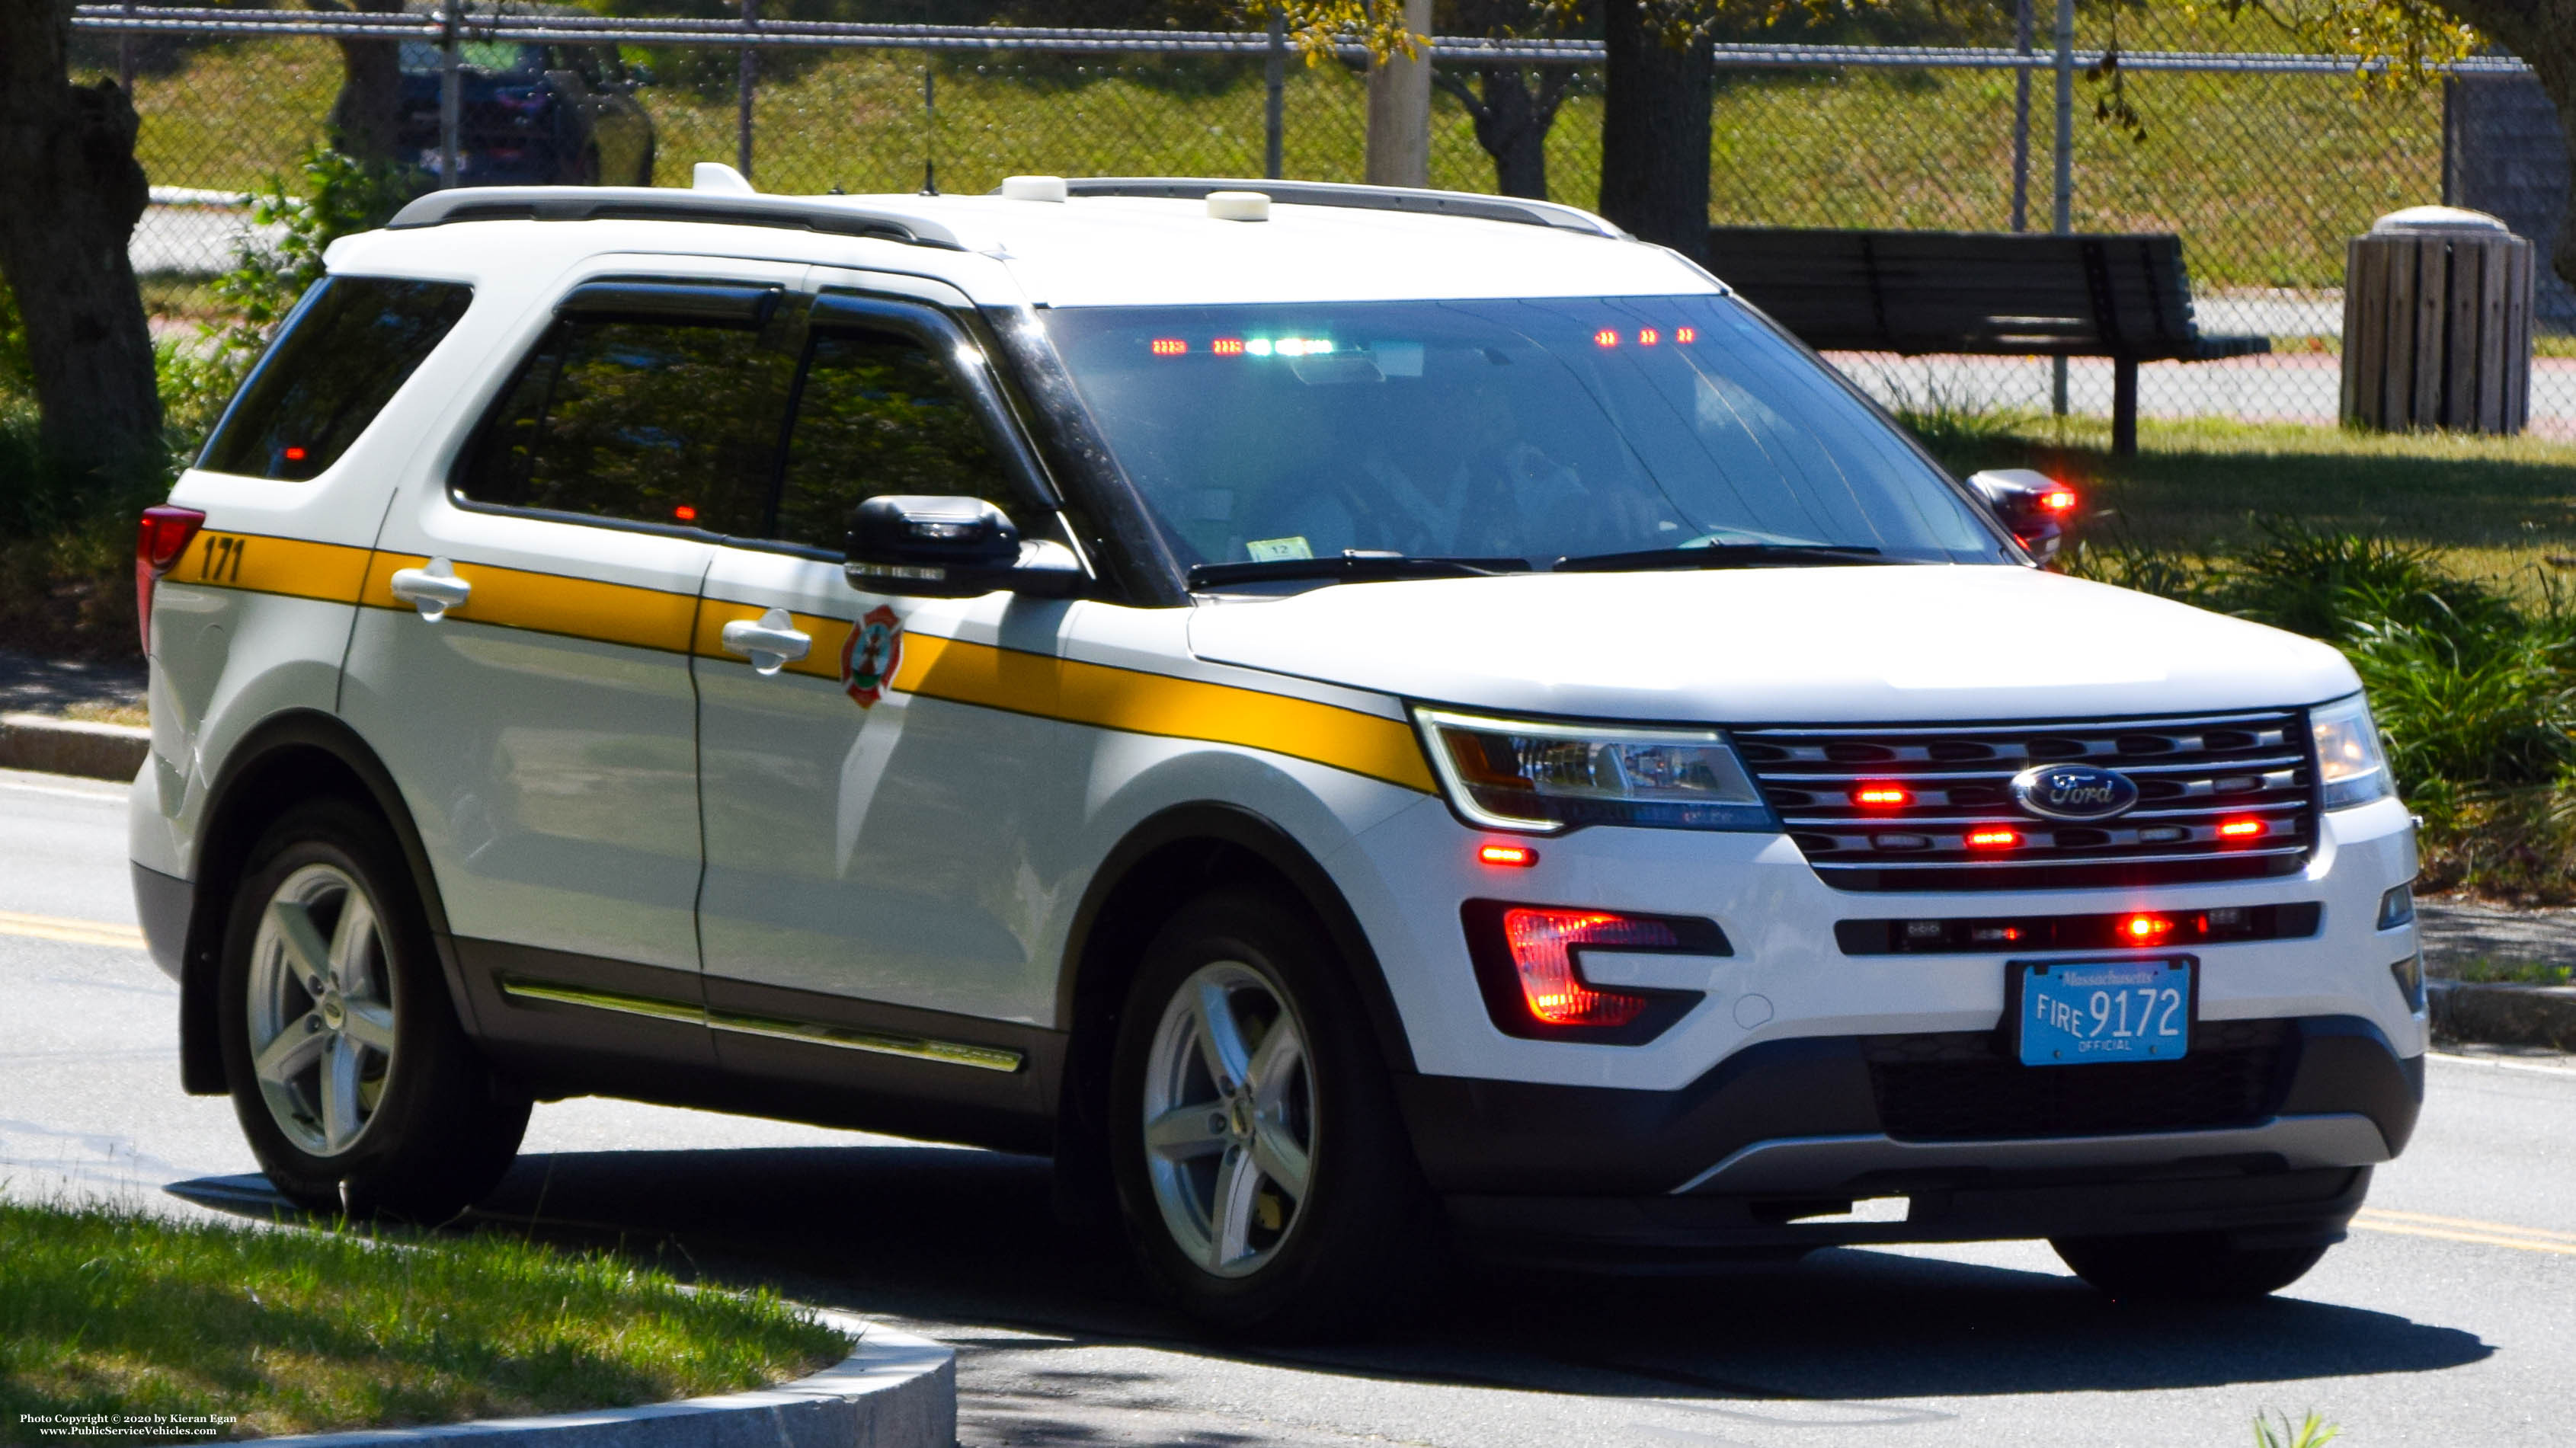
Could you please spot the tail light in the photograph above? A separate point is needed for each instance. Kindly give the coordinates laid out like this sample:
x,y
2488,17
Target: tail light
x,y
1529,963
163,534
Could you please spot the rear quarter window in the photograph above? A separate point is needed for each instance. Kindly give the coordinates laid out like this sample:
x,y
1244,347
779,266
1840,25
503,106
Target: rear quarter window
x,y
350,344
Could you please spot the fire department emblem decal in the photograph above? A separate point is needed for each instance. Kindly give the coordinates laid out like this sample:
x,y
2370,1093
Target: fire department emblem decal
x,y
869,659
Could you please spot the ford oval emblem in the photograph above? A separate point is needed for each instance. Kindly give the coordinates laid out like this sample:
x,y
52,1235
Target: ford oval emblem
x,y
2073,792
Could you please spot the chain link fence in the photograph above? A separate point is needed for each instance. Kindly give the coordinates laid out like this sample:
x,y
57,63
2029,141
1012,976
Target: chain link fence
x,y
2265,162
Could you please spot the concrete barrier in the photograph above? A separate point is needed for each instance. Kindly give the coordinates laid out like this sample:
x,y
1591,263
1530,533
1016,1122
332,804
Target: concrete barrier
x,y
61,746
2503,1015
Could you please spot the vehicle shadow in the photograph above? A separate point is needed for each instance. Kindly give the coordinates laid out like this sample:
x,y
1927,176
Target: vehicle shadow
x,y
945,1237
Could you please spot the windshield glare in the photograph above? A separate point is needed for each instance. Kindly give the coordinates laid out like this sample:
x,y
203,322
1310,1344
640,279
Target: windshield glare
x,y
1498,429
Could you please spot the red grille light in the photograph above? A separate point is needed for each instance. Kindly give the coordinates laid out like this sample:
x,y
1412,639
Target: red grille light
x,y
162,535
1518,856
1882,796
2240,829
2145,929
1993,837
1543,943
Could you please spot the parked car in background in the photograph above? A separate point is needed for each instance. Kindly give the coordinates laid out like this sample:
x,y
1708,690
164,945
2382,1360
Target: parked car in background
x,y
531,115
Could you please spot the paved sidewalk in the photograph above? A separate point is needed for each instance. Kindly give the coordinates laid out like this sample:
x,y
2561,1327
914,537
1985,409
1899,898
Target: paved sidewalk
x,y
30,685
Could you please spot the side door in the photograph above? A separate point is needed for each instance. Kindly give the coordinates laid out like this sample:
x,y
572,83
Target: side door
x,y
878,864
522,661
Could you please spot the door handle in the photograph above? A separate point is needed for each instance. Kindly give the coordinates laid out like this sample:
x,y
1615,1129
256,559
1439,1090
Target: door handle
x,y
433,590
771,642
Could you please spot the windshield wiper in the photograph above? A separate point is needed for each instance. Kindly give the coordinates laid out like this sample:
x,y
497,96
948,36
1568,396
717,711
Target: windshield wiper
x,y
1353,565
1721,555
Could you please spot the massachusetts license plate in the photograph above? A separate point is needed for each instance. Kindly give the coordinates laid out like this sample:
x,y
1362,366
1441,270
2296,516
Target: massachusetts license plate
x,y
2075,1013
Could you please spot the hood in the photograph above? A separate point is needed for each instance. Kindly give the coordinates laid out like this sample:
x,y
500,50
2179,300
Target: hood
x,y
1877,644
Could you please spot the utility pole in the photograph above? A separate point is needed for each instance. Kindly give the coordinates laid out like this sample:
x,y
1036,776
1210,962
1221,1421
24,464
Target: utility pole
x,y
1399,110
2065,205
2021,118
744,83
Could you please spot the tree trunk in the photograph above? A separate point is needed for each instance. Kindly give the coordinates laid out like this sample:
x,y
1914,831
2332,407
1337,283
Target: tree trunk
x,y
1655,131
368,112
76,192
2543,34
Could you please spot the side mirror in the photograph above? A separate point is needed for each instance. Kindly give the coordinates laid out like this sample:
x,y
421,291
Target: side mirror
x,y
2036,507
922,547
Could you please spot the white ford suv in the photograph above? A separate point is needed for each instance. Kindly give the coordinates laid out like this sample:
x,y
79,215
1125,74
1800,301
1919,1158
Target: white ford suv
x,y
1355,719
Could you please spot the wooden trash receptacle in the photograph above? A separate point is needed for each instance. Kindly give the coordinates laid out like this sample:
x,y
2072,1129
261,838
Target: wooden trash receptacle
x,y
2437,324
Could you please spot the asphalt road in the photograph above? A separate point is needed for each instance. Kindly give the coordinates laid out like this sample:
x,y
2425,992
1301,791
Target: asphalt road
x,y
2448,1319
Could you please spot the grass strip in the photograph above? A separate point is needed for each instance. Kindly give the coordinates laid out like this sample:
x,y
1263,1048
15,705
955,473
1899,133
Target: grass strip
x,y
110,1311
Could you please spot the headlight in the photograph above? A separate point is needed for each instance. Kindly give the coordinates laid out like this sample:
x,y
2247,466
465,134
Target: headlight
x,y
2349,764
1517,774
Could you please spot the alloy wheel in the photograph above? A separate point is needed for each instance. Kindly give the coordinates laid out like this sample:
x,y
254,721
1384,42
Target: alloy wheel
x,y
1229,1119
321,1018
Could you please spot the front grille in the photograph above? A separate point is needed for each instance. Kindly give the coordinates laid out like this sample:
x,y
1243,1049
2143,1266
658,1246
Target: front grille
x,y
1961,1086
2193,774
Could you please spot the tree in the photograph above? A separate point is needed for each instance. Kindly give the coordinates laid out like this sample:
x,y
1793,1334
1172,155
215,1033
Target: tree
x,y
1512,106
1655,120
76,192
368,111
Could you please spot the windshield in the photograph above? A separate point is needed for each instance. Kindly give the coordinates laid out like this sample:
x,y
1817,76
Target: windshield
x,y
1531,430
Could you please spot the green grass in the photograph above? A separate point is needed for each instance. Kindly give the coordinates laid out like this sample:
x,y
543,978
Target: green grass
x,y
113,1312
2265,176
2498,509
2485,971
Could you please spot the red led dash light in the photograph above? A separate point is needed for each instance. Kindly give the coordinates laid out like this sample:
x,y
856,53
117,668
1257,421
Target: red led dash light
x,y
685,513
1648,336
1993,837
295,454
1685,335
1543,943
2240,829
1882,796
1606,337
1518,856
1168,347
1227,346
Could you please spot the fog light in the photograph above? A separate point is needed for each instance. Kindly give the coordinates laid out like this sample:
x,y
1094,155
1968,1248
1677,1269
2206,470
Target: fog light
x,y
2410,981
2144,929
2397,907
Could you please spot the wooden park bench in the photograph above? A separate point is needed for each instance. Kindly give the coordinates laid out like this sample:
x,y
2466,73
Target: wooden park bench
x,y
1987,293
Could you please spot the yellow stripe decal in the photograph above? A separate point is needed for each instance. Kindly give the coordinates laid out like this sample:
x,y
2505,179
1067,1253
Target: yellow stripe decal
x,y
1143,703
258,563
613,613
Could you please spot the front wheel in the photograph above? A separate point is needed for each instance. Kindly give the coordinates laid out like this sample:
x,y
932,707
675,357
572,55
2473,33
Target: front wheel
x,y
2184,1266
357,1088
1262,1170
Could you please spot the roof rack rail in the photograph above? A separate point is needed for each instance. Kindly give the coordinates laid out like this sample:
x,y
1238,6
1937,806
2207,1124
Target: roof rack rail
x,y
656,203
1371,198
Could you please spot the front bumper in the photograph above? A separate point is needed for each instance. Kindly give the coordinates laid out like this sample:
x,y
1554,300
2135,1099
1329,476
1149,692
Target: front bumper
x,y
1791,1128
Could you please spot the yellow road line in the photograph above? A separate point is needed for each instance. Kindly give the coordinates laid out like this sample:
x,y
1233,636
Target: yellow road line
x,y
74,932
2484,1234
2465,1224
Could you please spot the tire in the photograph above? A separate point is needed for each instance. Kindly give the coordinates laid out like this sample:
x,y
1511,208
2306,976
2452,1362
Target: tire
x,y
2185,1266
1292,1208
389,1109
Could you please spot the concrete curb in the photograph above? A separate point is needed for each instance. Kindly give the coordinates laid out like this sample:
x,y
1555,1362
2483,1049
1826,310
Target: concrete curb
x,y
895,1390
61,746
2503,1015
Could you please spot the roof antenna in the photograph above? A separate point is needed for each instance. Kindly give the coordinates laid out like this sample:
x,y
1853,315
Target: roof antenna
x,y
930,126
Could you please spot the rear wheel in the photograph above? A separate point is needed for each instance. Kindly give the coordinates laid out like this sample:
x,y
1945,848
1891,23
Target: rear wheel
x,y
352,1079
1263,1173
2184,1266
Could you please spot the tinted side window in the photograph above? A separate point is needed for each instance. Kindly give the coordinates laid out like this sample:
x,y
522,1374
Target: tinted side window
x,y
649,421
350,344
879,414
